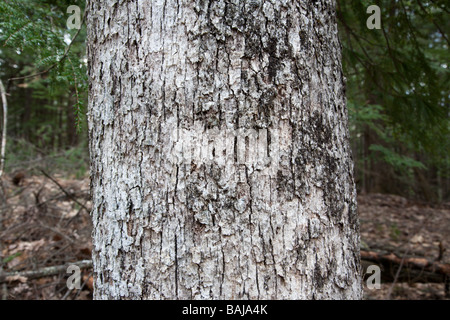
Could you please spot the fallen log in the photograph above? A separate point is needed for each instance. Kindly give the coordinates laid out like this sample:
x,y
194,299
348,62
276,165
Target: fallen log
x,y
413,269
40,273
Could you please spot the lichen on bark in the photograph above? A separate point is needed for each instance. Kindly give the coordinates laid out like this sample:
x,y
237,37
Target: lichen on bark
x,y
220,162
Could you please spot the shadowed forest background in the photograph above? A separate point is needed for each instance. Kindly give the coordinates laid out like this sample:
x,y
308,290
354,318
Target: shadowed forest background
x,y
398,107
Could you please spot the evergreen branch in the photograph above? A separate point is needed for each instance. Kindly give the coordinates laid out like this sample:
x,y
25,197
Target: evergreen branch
x,y
434,22
441,7
16,32
66,52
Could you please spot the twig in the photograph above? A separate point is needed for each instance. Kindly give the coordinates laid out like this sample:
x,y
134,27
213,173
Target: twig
x,y
81,288
57,232
15,32
84,284
389,294
69,291
64,190
44,272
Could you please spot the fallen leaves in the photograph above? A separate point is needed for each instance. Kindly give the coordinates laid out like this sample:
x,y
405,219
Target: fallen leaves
x,y
394,223
44,227
18,278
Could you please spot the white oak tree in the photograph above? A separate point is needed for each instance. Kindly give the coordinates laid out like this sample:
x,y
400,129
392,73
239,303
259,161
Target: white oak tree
x,y
220,162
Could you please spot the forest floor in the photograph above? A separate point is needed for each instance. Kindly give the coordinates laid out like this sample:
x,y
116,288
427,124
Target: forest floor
x,y
46,223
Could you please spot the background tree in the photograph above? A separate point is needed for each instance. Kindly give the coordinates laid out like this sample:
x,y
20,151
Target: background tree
x,y
46,108
398,88
399,134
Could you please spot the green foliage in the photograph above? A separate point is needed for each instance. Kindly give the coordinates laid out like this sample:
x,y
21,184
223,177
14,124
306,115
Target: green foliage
x,y
34,32
398,82
372,116
400,162
399,67
11,257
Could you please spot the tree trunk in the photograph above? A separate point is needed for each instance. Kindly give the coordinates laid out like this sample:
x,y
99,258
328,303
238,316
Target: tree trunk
x,y
71,127
220,161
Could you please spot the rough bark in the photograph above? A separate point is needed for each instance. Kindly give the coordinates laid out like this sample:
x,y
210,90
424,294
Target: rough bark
x,y
220,161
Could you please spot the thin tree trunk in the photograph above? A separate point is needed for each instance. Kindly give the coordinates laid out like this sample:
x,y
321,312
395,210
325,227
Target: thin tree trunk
x,y
220,160
4,128
71,129
3,197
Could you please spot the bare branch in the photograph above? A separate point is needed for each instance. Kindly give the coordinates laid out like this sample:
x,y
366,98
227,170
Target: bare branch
x,y
65,192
